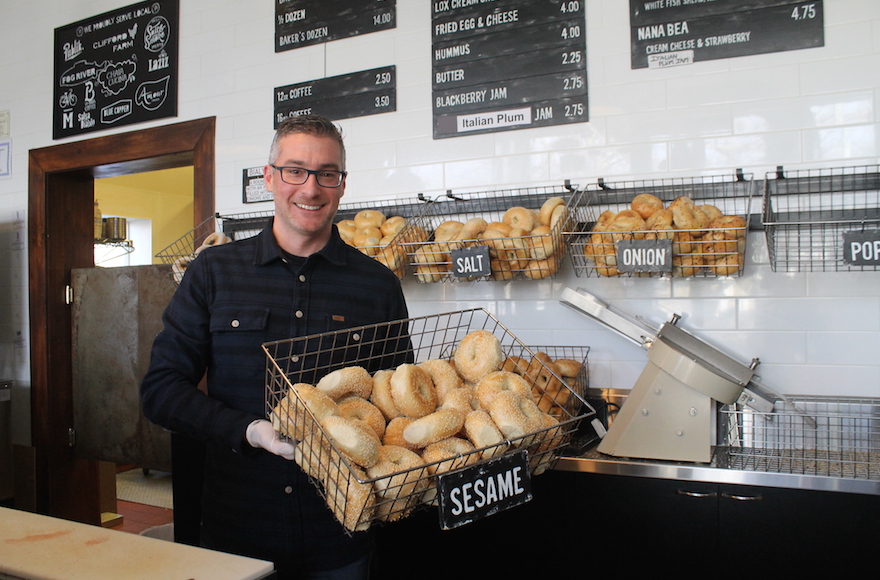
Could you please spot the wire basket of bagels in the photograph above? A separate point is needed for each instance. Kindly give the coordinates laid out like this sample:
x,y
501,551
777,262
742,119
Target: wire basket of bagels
x,y
519,231
184,250
381,411
379,229
384,230
681,227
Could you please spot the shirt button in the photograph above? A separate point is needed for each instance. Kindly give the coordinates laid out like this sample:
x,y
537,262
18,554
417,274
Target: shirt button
x,y
298,314
302,278
288,490
235,323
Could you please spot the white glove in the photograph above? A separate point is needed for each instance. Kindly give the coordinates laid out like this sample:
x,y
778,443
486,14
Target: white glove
x,y
262,435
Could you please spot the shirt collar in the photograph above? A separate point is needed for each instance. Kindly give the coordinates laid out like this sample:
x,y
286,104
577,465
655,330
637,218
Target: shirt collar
x,y
267,248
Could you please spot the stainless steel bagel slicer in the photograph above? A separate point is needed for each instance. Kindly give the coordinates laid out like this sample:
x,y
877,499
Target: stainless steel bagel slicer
x,y
670,412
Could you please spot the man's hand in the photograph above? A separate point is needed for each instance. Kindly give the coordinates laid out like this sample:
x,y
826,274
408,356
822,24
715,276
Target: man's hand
x,y
262,435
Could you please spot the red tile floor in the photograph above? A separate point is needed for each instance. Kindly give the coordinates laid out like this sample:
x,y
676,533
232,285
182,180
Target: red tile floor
x,y
137,517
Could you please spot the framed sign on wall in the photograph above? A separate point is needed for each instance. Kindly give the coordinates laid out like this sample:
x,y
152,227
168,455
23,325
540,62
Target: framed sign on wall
x,y
301,23
507,65
680,32
117,68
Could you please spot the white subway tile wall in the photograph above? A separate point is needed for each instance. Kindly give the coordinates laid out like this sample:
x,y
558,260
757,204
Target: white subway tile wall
x,y
814,333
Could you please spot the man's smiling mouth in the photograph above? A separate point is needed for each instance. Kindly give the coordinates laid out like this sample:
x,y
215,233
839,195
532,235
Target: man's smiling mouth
x,y
309,207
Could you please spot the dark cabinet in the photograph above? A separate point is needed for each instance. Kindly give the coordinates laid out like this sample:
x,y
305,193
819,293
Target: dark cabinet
x,y
684,525
533,540
581,525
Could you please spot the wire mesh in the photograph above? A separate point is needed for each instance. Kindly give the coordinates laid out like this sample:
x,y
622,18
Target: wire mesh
x,y
356,496
238,226
706,250
806,214
835,437
580,381
520,247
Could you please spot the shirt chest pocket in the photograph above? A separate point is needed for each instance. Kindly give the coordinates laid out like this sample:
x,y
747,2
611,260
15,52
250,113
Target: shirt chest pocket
x,y
239,319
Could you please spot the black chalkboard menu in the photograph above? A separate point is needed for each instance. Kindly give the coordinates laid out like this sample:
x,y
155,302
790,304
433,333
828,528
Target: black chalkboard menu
x,y
117,68
304,22
500,65
679,32
356,94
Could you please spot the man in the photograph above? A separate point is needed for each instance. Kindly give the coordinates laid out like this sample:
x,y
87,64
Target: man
x,y
296,278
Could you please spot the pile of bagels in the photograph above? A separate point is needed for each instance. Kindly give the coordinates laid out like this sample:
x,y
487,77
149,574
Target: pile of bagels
x,y
702,236
398,428
377,236
523,241
179,266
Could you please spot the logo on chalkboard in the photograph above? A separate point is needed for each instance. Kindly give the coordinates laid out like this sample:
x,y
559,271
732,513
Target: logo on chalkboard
x,y
156,34
151,95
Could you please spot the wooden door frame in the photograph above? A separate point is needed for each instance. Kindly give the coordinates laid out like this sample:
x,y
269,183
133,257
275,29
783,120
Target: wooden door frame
x,y
60,237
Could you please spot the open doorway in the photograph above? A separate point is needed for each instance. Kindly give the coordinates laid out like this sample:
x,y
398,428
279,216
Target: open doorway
x,y
61,238
143,213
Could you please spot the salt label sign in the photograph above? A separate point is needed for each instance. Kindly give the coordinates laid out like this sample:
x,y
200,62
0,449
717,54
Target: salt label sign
x,y
862,248
485,489
471,262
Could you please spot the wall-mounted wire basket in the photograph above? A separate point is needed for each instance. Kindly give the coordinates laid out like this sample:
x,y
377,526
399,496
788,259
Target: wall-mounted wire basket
x,y
239,226
824,436
807,213
704,249
359,500
528,249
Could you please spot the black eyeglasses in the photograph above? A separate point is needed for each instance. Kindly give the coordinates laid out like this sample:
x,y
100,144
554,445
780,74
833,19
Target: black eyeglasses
x,y
299,175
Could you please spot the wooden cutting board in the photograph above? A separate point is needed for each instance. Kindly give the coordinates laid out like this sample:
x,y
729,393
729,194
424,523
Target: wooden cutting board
x,y
41,547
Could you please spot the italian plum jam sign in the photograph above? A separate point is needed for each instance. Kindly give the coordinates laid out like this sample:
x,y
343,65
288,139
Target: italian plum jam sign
x,y
502,65
482,490
304,22
356,94
679,32
117,68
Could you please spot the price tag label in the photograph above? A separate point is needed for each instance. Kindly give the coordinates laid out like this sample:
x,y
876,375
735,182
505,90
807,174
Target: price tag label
x,y
483,490
471,262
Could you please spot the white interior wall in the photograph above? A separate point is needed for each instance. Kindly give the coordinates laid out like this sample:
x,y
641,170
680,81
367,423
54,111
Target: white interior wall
x,y
814,333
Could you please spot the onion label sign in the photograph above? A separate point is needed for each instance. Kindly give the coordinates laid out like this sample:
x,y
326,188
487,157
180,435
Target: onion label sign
x,y
862,248
644,255
483,490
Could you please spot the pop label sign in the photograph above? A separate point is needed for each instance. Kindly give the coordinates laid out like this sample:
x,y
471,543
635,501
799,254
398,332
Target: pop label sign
x,y
475,492
862,248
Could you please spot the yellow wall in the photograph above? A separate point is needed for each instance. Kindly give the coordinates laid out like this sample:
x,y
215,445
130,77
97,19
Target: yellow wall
x,y
164,197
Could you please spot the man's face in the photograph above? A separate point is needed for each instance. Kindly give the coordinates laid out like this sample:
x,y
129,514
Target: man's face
x,y
304,213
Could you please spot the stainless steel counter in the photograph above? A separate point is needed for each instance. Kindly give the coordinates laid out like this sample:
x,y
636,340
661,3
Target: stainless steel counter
x,y
823,444
591,461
